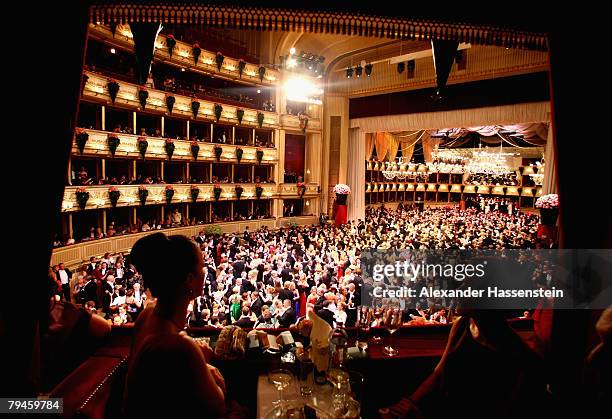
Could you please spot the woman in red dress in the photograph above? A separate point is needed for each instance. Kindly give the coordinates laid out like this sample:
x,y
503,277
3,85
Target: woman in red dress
x,y
302,287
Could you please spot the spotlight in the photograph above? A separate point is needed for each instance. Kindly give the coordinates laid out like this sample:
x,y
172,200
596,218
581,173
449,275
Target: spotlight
x,y
292,51
182,68
349,72
112,50
368,69
258,91
400,67
358,70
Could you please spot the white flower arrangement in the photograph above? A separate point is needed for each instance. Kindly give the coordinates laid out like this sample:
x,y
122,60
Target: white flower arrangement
x,y
342,189
548,201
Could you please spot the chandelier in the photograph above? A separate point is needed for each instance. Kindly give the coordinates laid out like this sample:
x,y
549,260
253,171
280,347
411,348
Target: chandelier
x,y
489,163
403,171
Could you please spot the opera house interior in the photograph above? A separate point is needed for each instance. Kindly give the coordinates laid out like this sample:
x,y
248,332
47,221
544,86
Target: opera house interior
x,y
313,212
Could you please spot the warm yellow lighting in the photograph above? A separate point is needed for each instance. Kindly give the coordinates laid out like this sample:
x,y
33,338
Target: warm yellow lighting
x,y
292,50
308,203
207,61
301,89
183,53
291,63
230,67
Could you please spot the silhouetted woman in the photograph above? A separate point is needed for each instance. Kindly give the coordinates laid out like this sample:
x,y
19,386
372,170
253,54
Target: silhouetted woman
x,y
168,372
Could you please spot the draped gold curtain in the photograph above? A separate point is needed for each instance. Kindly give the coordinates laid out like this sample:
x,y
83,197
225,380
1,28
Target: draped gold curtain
x,y
369,145
382,145
392,146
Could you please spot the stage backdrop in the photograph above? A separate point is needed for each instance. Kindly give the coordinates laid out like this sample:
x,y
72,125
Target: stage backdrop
x,y
373,126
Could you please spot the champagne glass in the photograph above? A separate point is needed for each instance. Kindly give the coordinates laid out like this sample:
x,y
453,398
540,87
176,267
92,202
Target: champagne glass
x,y
392,321
281,379
363,328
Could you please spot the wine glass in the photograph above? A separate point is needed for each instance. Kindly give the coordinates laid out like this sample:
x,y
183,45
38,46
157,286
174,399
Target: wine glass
x,y
281,379
363,328
392,322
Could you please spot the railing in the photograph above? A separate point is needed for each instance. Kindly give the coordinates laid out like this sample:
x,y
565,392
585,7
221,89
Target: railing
x,y
79,253
129,195
96,89
182,57
97,144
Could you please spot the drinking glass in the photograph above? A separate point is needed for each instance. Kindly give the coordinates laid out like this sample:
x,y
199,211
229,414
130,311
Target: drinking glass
x,y
281,379
305,371
392,322
363,328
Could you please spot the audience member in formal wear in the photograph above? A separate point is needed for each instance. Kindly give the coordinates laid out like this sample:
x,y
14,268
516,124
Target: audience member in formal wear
x,y
161,357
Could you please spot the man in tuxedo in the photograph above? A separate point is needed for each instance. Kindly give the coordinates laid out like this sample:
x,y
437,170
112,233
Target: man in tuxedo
x,y
90,290
286,272
256,303
63,275
92,265
351,306
287,317
245,321
325,313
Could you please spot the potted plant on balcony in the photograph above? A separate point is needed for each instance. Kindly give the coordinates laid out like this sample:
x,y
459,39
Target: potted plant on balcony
x,y
169,146
219,58
170,44
217,191
113,195
169,194
241,67
239,152
195,149
113,142
303,122
259,154
82,196
196,51
218,151
170,102
113,89
239,115
81,138
195,191
218,110
262,72
142,146
301,189
239,189
258,191
143,95
260,119
143,193
549,209
195,107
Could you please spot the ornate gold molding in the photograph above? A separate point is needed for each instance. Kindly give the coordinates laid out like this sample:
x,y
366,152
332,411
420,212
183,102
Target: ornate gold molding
x,y
96,89
182,57
97,145
318,22
99,199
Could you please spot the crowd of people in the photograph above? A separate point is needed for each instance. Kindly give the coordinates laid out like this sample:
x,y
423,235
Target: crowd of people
x,y
510,179
269,278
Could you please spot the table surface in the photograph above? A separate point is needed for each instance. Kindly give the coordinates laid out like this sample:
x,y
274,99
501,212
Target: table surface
x,y
321,396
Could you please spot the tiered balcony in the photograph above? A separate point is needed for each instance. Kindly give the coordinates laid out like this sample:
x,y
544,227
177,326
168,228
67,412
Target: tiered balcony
x,y
182,56
99,197
96,89
97,145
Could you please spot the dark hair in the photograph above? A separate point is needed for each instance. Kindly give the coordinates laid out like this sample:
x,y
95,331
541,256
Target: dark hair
x,y
164,262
